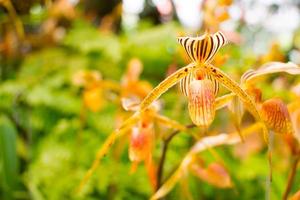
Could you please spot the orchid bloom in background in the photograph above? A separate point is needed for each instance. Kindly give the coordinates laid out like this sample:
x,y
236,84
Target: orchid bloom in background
x,y
197,79
132,86
93,88
142,135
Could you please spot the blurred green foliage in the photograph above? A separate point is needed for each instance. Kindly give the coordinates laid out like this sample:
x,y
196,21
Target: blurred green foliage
x,y
46,148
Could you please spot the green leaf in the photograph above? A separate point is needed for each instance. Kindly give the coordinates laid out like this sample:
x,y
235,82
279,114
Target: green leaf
x,y
8,158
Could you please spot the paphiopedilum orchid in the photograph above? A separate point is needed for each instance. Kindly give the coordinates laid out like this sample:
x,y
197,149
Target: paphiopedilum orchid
x,y
201,51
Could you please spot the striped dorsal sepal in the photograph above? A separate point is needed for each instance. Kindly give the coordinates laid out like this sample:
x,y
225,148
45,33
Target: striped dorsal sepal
x,y
203,49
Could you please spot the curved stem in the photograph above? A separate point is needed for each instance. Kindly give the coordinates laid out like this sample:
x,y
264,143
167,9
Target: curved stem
x,y
291,177
269,178
164,153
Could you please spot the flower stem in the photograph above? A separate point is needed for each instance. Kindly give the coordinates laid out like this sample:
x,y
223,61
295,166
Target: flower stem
x,y
269,177
291,176
164,153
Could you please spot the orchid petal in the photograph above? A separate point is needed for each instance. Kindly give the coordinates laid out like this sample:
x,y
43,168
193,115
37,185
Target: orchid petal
x,y
276,115
269,68
184,83
203,49
201,102
166,84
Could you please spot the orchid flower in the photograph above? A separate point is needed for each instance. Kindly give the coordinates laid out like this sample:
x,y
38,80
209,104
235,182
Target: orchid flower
x,y
196,79
248,80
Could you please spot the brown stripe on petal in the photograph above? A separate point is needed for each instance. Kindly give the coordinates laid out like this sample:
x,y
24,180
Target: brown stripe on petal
x,y
276,115
201,102
185,83
202,49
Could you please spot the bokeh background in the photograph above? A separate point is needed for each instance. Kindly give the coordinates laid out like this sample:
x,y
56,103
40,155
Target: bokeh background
x,y
56,108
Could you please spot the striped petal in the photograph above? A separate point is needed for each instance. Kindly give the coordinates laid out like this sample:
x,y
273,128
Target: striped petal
x,y
276,115
202,49
201,102
184,83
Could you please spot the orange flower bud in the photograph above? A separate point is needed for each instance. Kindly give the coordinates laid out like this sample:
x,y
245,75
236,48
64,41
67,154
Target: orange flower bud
x,y
201,102
276,115
141,142
93,99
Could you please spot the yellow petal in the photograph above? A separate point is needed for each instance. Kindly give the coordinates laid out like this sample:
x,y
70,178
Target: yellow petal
x,y
269,68
165,85
201,102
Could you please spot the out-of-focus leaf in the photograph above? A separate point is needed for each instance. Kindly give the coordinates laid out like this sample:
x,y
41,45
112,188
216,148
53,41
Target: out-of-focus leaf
x,y
269,68
92,40
215,174
57,99
8,158
157,44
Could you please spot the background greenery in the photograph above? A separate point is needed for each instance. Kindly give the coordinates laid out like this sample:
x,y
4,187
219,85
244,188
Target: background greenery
x,y
46,147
